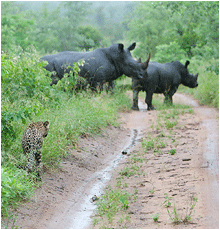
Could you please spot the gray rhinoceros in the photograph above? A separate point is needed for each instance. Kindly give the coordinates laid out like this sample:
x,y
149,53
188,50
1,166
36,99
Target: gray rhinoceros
x,y
100,65
162,78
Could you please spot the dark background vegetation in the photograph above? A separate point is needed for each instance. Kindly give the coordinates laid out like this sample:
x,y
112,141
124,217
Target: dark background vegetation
x,y
189,27
168,30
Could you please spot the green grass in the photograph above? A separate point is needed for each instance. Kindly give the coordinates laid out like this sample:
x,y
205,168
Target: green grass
x,y
172,151
147,144
15,187
112,202
156,217
132,169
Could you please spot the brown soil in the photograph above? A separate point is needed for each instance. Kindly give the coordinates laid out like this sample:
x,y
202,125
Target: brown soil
x,y
64,199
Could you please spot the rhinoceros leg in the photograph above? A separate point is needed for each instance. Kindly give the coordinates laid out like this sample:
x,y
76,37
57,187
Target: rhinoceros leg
x,y
55,78
135,99
148,100
111,86
167,99
169,95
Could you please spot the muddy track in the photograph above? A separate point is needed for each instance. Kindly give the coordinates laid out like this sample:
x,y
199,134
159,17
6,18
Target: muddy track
x,y
64,199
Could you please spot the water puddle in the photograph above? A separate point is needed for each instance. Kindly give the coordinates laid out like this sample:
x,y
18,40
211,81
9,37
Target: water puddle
x,y
211,153
82,218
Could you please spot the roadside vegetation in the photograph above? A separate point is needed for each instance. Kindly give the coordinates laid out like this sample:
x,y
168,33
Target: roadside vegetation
x,y
27,97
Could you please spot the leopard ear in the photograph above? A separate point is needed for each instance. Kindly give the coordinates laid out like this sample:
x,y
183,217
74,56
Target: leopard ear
x,y
46,124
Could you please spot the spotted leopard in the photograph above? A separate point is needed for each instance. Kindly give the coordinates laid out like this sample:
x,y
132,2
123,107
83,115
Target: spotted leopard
x,y
32,142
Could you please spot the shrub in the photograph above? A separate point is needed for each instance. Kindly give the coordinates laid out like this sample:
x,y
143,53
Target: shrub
x,y
15,187
167,53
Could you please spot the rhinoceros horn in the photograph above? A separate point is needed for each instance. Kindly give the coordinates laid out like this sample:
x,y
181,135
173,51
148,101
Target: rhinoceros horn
x,y
144,65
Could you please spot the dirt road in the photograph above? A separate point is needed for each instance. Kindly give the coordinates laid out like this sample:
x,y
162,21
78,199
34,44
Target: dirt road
x,y
64,200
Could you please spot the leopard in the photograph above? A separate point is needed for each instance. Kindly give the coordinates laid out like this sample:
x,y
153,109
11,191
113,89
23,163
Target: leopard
x,y
32,143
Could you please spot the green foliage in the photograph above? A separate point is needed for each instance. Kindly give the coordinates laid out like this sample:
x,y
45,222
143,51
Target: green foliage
x,y
167,202
112,202
72,81
130,171
192,26
21,75
16,26
156,217
147,145
167,53
172,151
15,187
58,29
24,89
92,36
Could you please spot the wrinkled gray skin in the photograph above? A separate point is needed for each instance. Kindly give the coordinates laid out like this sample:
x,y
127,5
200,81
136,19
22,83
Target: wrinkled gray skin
x,y
101,65
162,78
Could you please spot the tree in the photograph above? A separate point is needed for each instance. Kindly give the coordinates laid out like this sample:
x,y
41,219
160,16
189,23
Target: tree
x,y
92,37
192,25
46,26
17,26
149,28
74,15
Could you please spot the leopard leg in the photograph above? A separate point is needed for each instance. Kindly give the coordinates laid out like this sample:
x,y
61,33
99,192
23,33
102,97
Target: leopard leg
x,y
31,162
39,168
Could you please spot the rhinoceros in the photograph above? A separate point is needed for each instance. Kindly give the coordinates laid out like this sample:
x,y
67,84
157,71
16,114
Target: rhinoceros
x,y
162,78
100,65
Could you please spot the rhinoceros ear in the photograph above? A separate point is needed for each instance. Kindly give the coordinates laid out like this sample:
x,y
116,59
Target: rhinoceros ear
x,y
120,47
186,64
197,75
144,65
139,60
131,47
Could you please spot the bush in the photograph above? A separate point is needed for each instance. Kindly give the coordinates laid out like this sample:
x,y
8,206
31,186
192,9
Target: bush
x,y
15,187
167,53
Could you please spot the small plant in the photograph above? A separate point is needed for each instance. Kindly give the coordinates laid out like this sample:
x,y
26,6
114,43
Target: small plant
x,y
161,145
112,202
147,145
157,152
169,124
172,151
95,221
121,220
130,171
174,216
190,209
161,134
156,217
152,190
167,202
124,202
135,159
127,217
